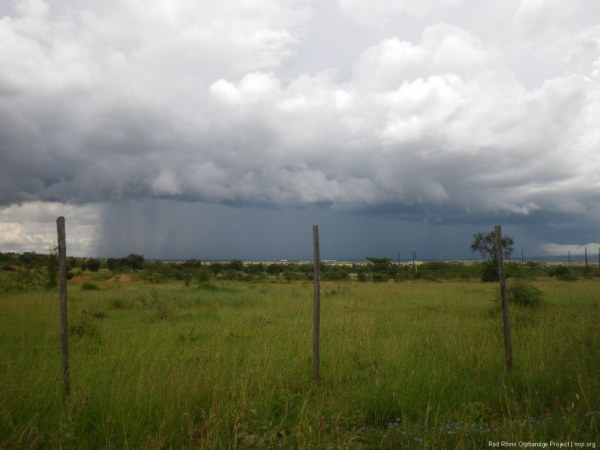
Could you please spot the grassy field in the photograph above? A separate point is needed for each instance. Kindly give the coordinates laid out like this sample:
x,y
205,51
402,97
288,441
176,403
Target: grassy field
x,y
228,365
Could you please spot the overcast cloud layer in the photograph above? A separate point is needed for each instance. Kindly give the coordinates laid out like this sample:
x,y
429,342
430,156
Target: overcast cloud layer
x,y
448,112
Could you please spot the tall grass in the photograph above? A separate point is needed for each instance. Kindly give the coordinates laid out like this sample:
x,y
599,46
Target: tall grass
x,y
228,365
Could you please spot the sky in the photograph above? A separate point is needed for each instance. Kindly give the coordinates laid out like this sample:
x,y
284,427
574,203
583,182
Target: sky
x,y
207,129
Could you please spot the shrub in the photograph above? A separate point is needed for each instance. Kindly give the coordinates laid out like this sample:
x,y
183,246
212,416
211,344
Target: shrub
x,y
87,286
334,276
291,276
524,294
83,328
380,277
203,275
52,269
117,303
163,311
489,272
562,272
93,264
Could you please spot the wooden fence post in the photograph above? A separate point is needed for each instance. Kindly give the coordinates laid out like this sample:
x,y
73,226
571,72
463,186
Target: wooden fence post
x,y
64,327
316,303
505,317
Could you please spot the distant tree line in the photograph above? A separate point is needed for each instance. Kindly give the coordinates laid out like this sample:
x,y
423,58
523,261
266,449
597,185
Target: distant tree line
x,y
28,270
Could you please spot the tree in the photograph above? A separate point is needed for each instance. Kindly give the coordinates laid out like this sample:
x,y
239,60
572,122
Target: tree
x,y
485,244
93,264
380,264
133,261
236,264
381,268
113,264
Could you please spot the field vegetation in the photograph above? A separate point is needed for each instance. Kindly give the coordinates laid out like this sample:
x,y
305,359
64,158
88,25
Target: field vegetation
x,y
200,355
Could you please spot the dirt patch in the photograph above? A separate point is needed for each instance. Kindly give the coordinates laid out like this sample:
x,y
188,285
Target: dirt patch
x,y
122,278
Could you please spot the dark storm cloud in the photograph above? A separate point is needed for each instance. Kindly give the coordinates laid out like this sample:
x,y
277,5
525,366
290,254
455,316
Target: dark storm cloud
x,y
186,230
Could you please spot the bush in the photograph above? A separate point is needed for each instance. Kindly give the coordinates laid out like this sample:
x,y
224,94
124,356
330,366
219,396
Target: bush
x,y
524,294
380,277
560,272
117,303
87,286
83,328
489,272
335,276
93,265
203,275
288,275
113,264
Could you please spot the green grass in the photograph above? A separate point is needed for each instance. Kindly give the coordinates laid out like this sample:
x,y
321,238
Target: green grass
x,y
228,365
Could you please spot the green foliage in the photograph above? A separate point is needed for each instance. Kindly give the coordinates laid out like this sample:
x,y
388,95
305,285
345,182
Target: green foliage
x,y
274,268
290,275
93,264
485,245
404,275
473,412
133,261
216,268
380,264
380,277
87,286
203,275
113,264
530,270
73,263
489,272
334,276
561,272
331,273
235,264
525,294
52,268
31,260
82,328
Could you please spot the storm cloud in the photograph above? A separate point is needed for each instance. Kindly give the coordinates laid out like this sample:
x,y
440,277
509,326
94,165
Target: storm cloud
x,y
426,117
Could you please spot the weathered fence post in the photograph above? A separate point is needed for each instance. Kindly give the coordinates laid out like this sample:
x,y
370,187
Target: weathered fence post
x,y
64,327
505,317
316,303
